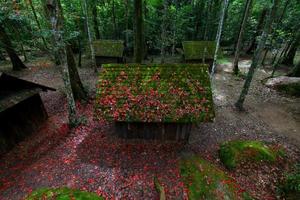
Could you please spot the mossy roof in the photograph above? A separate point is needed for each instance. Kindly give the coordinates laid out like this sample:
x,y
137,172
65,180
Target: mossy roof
x,y
109,48
197,50
155,93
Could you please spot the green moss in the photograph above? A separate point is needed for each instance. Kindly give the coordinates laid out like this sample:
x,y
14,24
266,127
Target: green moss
x,y
109,48
62,194
205,181
292,89
233,152
290,189
155,93
197,50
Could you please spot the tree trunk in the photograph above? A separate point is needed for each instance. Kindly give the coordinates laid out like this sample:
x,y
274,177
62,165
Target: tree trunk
x,y
138,44
289,58
15,60
80,52
55,16
76,84
85,10
240,38
219,34
95,21
37,22
256,57
258,29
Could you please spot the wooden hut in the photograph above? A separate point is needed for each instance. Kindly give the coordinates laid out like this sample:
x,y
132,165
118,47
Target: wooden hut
x,y
108,51
199,52
155,101
21,109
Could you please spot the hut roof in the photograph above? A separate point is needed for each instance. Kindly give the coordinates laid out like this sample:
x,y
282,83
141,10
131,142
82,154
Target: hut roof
x,y
109,48
155,93
14,90
197,50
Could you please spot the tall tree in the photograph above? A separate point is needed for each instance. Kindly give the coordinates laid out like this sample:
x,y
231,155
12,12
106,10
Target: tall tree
x,y
219,34
138,31
256,58
240,38
85,10
54,14
6,42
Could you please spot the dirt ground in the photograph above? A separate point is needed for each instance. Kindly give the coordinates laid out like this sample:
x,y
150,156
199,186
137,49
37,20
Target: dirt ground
x,y
91,158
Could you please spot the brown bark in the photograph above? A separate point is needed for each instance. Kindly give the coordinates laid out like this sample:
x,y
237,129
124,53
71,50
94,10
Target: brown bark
x,y
15,60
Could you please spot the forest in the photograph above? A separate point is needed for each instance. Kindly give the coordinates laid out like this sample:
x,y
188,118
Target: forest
x,y
149,99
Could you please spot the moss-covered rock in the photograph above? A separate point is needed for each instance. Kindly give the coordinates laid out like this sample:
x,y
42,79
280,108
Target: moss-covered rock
x,y
62,194
204,181
233,152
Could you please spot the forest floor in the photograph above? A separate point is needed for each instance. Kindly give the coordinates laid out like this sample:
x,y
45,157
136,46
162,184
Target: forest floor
x,y
91,158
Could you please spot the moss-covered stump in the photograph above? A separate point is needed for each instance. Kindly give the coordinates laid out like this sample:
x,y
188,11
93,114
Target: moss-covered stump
x,y
108,51
62,194
154,94
204,181
234,152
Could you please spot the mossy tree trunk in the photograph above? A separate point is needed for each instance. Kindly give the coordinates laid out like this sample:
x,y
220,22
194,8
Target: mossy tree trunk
x,y
15,60
240,38
76,84
138,30
54,14
256,58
